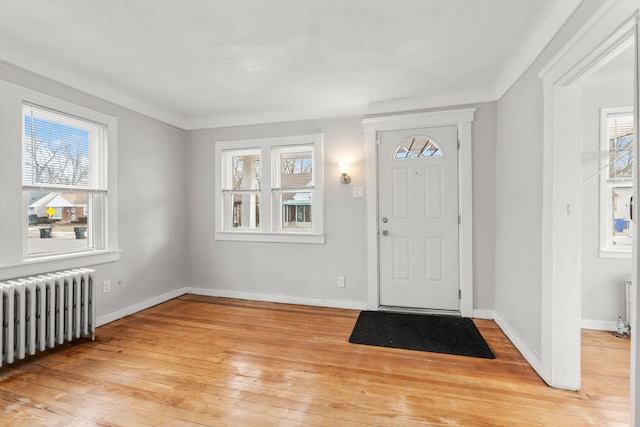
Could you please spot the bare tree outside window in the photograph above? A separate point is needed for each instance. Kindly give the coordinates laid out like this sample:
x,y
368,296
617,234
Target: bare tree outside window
x,y
56,163
621,156
246,172
296,163
56,154
620,145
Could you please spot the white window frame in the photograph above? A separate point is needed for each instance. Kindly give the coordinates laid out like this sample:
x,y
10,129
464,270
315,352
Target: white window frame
x,y
14,258
270,229
96,189
607,248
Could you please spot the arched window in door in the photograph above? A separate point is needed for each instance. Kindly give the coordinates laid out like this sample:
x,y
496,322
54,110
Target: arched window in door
x,y
417,147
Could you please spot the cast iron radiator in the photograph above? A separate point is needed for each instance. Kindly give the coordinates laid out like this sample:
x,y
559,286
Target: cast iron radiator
x,y
44,311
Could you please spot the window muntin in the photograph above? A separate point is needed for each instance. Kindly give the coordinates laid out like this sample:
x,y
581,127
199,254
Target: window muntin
x,y
616,183
64,174
417,147
283,194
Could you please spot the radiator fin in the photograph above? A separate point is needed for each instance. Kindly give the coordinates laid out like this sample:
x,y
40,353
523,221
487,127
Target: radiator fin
x,y
40,312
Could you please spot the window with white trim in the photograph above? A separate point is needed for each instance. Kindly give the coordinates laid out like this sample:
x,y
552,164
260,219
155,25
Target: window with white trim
x,y
616,181
63,181
270,189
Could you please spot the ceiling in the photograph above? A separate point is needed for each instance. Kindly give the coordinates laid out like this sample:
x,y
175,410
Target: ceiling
x,y
208,63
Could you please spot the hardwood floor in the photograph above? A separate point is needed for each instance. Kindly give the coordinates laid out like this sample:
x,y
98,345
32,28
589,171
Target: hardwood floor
x,y
217,362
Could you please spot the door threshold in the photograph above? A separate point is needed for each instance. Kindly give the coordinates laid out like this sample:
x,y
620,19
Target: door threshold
x,y
412,310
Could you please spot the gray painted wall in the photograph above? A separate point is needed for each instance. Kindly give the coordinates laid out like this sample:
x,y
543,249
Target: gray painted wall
x,y
284,271
518,300
166,209
519,210
299,272
484,134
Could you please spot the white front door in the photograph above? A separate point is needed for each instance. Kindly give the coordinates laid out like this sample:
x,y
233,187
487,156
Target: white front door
x,y
418,219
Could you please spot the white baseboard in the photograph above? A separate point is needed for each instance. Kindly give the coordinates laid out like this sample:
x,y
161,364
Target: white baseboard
x,y
119,314
484,314
599,325
530,356
319,302
352,305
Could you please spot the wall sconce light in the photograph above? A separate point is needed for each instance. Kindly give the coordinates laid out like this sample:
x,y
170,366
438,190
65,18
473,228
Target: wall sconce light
x,y
344,173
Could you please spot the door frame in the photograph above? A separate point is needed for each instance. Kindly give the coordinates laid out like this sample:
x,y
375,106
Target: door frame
x,y
559,363
462,119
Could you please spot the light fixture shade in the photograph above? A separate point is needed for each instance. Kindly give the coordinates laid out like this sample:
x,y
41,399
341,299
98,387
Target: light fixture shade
x,y
344,173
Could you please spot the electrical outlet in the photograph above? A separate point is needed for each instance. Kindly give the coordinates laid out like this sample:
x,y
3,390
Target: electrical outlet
x,y
106,286
341,281
358,191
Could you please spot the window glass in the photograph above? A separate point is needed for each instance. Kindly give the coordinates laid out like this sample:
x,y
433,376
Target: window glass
x,y
616,183
63,172
245,171
242,193
296,209
57,222
296,185
417,146
246,210
621,201
620,138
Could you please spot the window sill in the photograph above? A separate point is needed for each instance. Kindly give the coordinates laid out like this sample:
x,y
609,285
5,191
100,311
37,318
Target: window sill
x,y
51,263
615,254
248,236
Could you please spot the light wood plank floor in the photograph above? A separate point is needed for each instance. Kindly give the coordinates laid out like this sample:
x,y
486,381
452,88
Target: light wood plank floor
x,y
208,361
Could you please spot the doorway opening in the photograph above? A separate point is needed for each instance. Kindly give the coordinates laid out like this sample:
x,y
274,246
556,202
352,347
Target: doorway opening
x,y
594,46
607,165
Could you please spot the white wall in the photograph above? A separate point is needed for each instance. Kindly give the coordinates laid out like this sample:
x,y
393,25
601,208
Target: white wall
x,y
151,200
603,295
306,272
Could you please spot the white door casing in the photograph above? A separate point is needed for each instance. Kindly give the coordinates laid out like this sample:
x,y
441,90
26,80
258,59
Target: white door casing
x,y
559,361
461,119
418,219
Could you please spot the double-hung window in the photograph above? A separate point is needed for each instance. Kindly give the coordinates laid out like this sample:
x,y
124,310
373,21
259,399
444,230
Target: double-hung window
x,y
616,181
64,181
270,189
58,162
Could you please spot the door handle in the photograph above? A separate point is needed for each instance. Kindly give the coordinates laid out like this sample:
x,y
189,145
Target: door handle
x,y
385,220
385,233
